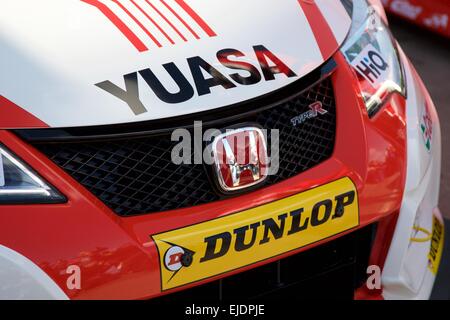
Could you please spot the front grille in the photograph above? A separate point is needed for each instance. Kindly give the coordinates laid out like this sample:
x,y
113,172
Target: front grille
x,y
331,271
136,175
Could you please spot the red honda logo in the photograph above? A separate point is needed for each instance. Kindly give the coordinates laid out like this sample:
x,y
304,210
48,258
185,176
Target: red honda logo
x,y
241,158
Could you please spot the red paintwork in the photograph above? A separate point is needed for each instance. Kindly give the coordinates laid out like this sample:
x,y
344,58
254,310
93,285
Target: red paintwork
x,y
166,20
13,116
382,243
152,21
117,257
139,23
180,18
202,23
324,35
140,46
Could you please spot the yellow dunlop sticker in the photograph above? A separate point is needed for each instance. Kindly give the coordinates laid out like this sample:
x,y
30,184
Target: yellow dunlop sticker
x,y
437,245
224,244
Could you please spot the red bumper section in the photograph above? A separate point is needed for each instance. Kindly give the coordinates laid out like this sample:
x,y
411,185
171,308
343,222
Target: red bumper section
x,y
117,258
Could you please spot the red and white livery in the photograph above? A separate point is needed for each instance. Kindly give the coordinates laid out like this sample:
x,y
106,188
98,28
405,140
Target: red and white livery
x,y
93,205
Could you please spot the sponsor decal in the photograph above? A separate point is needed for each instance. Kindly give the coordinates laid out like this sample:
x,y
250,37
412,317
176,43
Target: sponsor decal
x,y
177,257
426,127
269,64
371,65
437,245
240,158
254,235
316,109
152,22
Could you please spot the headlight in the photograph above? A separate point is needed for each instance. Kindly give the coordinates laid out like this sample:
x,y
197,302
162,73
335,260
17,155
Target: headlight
x,y
20,185
372,52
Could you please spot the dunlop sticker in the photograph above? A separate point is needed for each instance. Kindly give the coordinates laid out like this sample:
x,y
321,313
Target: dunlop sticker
x,y
214,247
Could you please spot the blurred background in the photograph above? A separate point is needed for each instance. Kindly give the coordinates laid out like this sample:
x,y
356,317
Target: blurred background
x,y
430,54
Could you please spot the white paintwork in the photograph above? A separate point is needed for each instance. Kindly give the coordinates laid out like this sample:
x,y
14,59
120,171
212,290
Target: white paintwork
x,y
54,52
406,275
21,279
337,17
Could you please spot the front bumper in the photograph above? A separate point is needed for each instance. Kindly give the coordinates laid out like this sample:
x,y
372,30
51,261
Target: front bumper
x,y
118,259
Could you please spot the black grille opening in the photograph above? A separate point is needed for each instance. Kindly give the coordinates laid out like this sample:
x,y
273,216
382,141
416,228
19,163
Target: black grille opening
x,y
136,175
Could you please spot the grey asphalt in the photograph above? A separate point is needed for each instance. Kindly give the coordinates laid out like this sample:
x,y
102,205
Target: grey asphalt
x,y
430,55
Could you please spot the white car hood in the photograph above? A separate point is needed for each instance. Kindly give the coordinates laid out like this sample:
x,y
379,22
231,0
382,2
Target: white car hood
x,y
61,61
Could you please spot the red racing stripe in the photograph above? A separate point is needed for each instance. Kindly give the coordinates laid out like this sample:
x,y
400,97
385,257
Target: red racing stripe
x,y
167,20
131,36
320,27
13,116
196,17
138,23
180,18
153,21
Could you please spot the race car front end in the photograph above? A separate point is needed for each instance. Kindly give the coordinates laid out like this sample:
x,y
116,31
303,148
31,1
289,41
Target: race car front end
x,y
93,205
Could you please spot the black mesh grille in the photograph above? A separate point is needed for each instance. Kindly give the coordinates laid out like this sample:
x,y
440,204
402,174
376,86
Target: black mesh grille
x,y
136,175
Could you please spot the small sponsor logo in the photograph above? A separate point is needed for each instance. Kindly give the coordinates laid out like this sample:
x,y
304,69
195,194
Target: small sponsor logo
x,y
177,257
241,158
316,109
172,258
371,65
426,127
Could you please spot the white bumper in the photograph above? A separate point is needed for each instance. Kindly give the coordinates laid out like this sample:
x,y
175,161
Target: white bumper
x,y
407,273
21,279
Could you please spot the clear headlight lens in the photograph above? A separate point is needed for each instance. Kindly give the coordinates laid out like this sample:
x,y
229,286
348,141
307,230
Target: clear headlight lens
x,y
372,52
19,184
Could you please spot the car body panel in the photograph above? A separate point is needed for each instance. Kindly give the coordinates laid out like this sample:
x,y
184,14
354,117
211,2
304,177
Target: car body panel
x,y
408,272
